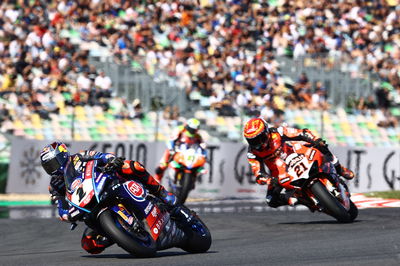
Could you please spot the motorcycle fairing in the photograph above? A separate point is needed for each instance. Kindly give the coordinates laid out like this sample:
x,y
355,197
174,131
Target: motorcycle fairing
x,y
82,192
156,220
86,185
144,208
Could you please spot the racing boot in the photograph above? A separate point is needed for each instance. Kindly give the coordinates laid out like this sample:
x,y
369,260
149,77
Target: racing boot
x,y
344,172
167,197
159,173
93,242
292,201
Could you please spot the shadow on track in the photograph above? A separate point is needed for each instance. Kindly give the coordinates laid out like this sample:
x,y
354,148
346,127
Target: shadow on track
x,y
321,222
159,254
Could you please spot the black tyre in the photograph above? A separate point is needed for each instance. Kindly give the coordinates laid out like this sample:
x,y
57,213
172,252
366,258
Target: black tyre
x,y
138,244
353,212
176,187
199,237
331,205
186,185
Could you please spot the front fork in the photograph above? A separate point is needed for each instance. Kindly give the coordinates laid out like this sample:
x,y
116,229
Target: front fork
x,y
336,187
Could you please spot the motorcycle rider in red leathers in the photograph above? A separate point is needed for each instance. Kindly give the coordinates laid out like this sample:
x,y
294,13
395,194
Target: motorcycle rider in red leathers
x,y
188,134
266,149
54,158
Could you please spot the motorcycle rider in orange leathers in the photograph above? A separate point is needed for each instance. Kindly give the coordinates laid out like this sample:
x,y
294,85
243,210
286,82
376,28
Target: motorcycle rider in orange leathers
x,y
187,134
266,149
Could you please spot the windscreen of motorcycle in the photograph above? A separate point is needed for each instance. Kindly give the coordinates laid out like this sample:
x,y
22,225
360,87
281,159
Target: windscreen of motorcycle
x,y
70,175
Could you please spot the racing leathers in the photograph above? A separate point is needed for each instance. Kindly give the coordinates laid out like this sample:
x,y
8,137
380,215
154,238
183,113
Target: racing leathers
x,y
92,241
180,136
273,157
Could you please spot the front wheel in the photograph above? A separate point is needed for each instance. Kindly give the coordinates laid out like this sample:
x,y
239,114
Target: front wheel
x,y
137,242
331,205
198,236
186,183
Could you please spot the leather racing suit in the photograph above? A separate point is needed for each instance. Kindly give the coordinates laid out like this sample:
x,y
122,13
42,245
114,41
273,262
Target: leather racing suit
x,y
91,241
273,157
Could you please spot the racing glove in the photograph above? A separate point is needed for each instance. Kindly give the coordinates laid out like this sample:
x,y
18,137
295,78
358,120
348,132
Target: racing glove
x,y
263,179
57,187
321,145
115,164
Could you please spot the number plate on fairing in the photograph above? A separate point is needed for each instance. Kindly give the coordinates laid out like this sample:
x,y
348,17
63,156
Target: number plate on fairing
x,y
297,165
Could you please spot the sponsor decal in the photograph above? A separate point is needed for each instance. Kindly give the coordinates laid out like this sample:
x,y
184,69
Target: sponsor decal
x,y
98,178
155,231
100,185
297,146
120,213
88,170
284,180
77,182
75,213
62,148
312,155
154,212
136,189
87,199
293,160
148,208
47,156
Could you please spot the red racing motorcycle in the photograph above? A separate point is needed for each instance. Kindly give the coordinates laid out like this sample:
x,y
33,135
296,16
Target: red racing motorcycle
x,y
315,184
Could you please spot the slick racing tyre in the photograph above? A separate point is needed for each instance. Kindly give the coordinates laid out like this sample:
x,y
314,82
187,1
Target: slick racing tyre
x,y
330,204
199,237
138,243
186,184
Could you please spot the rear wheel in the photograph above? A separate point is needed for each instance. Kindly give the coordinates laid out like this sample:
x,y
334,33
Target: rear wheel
x,y
331,205
136,242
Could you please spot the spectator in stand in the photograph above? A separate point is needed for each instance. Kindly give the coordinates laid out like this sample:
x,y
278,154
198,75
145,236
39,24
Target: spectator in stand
x,y
204,44
104,83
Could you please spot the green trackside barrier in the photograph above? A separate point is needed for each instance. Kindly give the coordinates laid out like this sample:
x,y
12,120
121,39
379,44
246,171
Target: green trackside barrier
x,y
3,177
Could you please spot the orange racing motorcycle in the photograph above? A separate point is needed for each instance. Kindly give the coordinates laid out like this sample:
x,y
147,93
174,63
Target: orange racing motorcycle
x,y
186,165
315,184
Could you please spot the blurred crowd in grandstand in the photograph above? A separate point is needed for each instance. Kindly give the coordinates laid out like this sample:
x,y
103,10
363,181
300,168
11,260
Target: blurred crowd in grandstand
x,y
224,51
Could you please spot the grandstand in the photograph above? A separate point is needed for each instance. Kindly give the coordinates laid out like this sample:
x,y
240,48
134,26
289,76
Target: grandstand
x,y
211,52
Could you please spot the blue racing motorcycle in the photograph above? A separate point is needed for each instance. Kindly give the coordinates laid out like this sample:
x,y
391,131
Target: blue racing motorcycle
x,y
125,212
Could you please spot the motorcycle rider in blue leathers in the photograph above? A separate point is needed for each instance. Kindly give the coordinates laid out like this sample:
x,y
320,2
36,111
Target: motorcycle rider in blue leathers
x,y
54,158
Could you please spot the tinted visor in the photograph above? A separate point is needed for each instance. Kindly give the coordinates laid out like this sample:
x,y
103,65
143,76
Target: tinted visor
x,y
51,166
258,142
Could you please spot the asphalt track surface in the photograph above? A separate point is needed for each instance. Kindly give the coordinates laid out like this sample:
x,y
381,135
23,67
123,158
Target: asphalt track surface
x,y
246,238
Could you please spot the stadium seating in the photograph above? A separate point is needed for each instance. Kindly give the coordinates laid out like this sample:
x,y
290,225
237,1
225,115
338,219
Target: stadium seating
x,y
92,123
